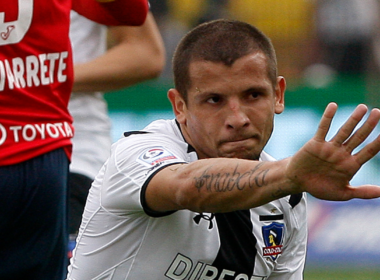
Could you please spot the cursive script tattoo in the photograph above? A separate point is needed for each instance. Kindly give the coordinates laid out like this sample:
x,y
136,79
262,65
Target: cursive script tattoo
x,y
224,182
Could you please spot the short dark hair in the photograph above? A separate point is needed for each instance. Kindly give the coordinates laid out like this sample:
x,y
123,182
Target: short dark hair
x,y
220,40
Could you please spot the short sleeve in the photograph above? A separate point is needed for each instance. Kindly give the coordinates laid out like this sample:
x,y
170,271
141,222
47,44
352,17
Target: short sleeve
x,y
133,162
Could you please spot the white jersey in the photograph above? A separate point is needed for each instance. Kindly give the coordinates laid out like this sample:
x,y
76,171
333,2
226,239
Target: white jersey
x,y
120,238
92,137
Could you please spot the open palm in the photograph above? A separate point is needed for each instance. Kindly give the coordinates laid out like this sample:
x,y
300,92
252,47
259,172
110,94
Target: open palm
x,y
324,168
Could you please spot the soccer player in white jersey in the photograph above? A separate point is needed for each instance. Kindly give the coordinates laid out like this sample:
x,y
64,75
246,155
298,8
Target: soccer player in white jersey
x,y
197,197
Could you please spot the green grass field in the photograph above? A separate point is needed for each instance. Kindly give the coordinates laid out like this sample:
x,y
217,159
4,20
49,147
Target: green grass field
x,y
341,274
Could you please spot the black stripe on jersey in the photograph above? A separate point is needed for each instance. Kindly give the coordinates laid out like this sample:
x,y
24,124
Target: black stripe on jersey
x,y
237,250
147,210
295,199
129,133
190,148
266,218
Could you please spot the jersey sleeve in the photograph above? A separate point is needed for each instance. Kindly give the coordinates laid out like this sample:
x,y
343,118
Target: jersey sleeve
x,y
116,12
133,162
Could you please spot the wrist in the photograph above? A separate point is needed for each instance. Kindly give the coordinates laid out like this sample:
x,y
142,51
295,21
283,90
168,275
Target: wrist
x,y
292,180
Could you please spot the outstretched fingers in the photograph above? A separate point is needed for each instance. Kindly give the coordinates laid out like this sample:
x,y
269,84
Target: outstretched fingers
x,y
328,167
364,131
368,152
348,127
325,123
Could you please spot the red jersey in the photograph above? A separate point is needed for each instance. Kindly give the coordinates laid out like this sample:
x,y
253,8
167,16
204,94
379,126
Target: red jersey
x,y
36,73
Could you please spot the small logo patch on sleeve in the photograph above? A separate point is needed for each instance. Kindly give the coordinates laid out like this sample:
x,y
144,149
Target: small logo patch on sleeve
x,y
155,155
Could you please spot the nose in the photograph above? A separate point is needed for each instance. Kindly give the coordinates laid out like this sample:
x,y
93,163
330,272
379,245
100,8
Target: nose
x,y
236,116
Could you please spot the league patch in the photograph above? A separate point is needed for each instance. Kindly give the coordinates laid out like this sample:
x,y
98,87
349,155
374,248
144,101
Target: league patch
x,y
154,156
273,238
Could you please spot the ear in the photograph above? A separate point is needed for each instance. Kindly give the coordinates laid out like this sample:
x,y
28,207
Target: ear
x,y
178,104
280,95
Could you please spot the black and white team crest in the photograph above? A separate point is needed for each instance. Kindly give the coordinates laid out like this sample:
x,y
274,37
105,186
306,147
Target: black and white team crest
x,y
273,235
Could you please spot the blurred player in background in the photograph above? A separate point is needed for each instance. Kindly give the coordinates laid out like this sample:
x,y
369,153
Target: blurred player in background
x,y
346,30
196,197
137,54
36,74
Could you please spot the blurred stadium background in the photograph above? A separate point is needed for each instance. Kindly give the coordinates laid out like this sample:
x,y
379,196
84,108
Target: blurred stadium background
x,y
328,50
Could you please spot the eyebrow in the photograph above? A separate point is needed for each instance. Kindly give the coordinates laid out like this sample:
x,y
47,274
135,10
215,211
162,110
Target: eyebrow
x,y
200,94
257,88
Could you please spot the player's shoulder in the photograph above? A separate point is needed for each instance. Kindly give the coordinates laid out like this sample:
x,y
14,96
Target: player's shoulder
x,y
160,134
156,128
159,131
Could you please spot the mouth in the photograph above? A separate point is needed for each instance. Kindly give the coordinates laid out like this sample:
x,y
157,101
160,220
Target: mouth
x,y
239,144
241,139
245,148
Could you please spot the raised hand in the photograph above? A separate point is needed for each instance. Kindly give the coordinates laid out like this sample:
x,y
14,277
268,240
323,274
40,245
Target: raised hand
x,y
324,168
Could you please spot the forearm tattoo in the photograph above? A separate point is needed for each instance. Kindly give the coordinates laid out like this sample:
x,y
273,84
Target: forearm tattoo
x,y
224,182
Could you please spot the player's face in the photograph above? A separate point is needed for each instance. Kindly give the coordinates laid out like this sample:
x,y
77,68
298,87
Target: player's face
x,y
230,110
